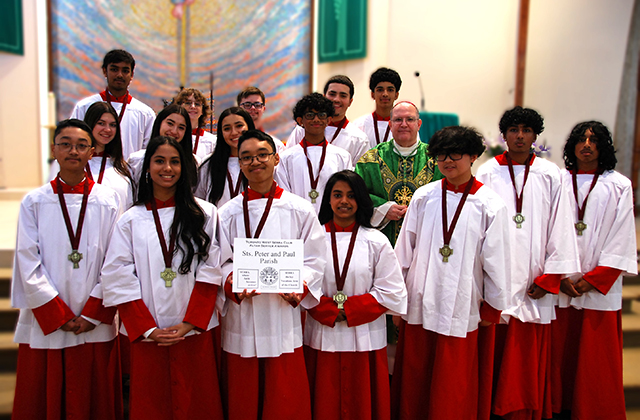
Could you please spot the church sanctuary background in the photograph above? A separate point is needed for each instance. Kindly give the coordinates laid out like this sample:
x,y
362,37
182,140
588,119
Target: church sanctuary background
x,y
185,43
580,62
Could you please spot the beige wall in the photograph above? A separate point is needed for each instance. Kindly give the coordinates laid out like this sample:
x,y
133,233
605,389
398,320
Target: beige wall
x,y
19,110
466,53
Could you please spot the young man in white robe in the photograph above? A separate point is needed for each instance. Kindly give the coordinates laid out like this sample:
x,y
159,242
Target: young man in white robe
x,y
305,168
263,371
586,336
339,132
544,251
454,253
136,118
68,359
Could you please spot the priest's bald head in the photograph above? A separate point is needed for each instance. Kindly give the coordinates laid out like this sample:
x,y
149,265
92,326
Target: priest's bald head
x,y
405,123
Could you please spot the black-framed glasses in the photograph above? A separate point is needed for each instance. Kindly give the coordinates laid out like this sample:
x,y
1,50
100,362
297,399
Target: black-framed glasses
x,y
453,156
260,157
249,105
311,115
66,147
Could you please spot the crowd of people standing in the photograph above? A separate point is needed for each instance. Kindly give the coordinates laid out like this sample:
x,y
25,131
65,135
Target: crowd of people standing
x,y
500,292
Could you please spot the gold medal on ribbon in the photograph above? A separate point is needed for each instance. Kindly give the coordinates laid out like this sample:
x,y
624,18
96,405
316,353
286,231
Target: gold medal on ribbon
x,y
518,219
313,194
446,251
75,258
340,298
168,275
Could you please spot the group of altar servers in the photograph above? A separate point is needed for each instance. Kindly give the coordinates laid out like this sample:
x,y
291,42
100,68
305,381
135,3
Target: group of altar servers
x,y
505,287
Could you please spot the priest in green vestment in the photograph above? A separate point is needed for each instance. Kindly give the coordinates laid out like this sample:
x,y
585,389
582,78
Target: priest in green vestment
x,y
393,170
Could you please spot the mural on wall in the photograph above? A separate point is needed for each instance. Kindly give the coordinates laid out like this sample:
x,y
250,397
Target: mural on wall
x,y
183,43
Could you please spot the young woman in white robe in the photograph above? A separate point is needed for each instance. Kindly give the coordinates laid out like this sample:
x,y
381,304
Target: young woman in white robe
x,y
219,176
107,165
167,318
173,121
345,348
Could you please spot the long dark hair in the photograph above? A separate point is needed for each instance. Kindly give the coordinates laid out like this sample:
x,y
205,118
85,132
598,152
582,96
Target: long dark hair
x,y
193,240
114,147
218,161
606,152
359,188
185,144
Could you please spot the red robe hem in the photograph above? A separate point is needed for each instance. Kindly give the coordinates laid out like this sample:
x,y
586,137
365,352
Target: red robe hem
x,y
348,385
82,382
587,375
266,388
435,376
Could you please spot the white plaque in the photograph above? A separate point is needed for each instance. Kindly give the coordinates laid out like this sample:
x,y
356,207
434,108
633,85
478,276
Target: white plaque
x,y
268,265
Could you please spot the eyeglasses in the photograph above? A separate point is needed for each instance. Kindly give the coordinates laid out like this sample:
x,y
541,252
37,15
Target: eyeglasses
x,y
249,105
66,147
189,104
453,156
261,157
311,115
408,120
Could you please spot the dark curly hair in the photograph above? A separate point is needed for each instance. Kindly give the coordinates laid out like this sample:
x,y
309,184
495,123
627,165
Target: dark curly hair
x,y
184,94
313,102
455,139
606,152
360,193
193,240
520,115
384,74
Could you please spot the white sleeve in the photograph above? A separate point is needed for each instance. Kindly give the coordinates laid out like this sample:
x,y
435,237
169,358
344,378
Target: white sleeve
x,y
119,277
296,136
388,284
31,285
315,257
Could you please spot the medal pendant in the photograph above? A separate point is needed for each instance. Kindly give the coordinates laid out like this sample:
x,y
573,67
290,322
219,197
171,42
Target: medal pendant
x,y
168,275
313,194
580,227
518,219
75,258
340,298
446,252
